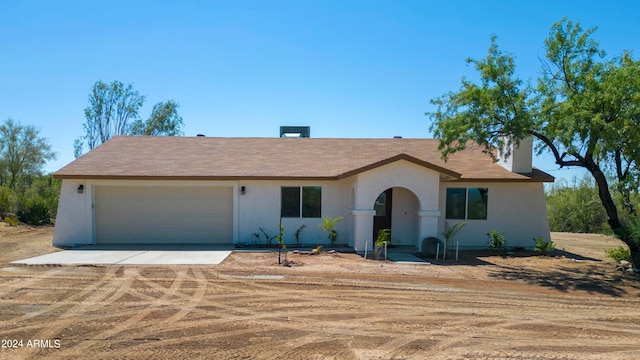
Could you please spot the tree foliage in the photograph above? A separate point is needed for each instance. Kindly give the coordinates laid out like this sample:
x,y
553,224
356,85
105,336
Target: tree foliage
x,y
576,207
163,121
584,109
113,110
22,152
25,193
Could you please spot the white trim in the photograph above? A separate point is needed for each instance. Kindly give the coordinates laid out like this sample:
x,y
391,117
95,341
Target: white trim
x,y
429,213
363,212
154,183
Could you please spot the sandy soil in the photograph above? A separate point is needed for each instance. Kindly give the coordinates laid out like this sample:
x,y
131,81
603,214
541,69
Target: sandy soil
x,y
574,305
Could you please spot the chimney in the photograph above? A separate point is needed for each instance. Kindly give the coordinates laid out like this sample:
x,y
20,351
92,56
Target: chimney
x,y
295,131
521,157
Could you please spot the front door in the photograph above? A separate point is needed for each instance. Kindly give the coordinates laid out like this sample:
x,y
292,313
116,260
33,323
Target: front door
x,y
382,218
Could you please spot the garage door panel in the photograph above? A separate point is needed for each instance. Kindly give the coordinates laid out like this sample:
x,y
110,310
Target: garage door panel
x,y
189,215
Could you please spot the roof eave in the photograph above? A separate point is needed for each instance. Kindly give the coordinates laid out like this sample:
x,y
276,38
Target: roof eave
x,y
210,178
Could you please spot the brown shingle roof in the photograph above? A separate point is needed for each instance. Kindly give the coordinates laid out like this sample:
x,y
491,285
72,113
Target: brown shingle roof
x,y
133,157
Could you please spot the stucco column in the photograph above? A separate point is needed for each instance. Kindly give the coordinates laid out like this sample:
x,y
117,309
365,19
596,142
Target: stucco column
x,y
428,224
362,229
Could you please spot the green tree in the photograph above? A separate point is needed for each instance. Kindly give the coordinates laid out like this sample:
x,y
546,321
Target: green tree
x,y
22,152
163,121
113,110
584,109
576,207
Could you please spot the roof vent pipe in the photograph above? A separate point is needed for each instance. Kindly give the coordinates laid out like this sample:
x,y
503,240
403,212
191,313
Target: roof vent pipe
x,y
397,137
200,135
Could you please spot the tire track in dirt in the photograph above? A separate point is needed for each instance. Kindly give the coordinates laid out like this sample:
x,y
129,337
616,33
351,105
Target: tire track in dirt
x,y
106,279
194,300
246,315
80,301
133,274
76,313
193,312
267,320
19,280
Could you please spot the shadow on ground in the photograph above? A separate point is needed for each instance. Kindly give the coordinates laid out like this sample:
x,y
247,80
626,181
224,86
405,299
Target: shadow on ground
x,y
590,279
477,257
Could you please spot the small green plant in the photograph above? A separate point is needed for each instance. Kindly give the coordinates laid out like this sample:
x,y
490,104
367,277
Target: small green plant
x,y
384,238
298,234
12,221
448,234
317,250
280,239
255,239
542,246
497,242
328,225
619,254
268,239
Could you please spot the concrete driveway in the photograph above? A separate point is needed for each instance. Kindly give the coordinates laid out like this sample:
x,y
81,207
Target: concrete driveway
x,y
134,255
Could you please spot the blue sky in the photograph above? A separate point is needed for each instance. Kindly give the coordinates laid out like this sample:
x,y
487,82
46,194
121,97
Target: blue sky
x,y
243,68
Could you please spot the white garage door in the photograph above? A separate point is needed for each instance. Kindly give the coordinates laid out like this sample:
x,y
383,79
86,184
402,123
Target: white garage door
x,y
161,215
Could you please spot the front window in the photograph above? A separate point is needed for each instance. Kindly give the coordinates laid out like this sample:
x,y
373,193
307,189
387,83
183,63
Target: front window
x,y
301,201
477,208
456,201
311,201
463,203
290,204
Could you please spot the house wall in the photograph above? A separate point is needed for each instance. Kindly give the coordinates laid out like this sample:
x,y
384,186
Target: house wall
x,y
518,209
74,221
259,208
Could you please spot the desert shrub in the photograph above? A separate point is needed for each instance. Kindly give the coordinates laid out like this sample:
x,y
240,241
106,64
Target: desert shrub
x,y
12,221
5,201
542,246
576,207
497,241
34,211
619,254
34,199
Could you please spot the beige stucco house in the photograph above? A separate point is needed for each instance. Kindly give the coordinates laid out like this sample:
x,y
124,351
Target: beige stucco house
x,y
206,190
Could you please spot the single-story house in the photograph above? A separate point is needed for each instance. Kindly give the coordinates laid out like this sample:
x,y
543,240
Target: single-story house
x,y
209,190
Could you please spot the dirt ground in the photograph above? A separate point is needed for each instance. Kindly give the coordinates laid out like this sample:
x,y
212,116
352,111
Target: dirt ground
x,y
574,305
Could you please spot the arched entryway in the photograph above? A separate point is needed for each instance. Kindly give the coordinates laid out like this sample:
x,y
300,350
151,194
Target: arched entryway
x,y
397,209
